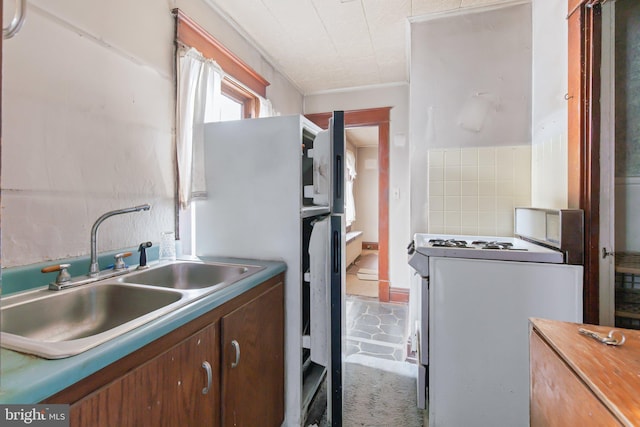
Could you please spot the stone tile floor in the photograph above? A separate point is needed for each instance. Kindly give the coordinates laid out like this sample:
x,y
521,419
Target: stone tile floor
x,y
376,329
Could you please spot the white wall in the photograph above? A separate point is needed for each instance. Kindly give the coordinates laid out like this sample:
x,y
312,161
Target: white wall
x,y
549,116
88,122
470,94
366,193
396,97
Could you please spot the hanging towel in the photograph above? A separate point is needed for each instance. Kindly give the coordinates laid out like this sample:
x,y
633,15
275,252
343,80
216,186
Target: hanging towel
x,y
319,291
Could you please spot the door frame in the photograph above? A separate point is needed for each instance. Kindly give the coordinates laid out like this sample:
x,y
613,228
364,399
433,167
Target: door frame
x,y
379,117
583,138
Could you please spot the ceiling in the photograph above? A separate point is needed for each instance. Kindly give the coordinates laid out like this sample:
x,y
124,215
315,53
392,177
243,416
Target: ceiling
x,y
324,45
361,137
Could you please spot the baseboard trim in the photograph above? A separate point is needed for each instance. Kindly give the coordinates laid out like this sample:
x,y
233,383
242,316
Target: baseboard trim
x,y
398,295
370,245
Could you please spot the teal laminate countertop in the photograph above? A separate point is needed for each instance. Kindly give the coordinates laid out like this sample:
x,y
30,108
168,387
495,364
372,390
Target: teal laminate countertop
x,y
27,379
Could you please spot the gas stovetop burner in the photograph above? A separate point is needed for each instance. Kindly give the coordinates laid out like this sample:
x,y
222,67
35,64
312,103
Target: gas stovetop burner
x,y
494,245
448,243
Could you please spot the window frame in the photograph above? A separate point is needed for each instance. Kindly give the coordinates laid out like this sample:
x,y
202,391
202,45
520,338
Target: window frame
x,y
249,102
241,83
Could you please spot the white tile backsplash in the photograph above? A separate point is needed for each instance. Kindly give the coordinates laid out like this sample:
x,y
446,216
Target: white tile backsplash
x,y
487,204
452,188
487,156
436,174
487,219
452,219
474,190
468,172
486,173
504,188
436,203
452,204
436,188
469,188
469,157
451,157
469,204
487,188
436,158
469,219
436,219
452,173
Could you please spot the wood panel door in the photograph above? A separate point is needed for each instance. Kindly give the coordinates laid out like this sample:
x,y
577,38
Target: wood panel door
x,y
169,390
253,362
558,397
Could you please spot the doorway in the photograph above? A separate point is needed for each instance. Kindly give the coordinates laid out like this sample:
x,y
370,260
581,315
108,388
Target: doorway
x,y
374,117
362,224
620,166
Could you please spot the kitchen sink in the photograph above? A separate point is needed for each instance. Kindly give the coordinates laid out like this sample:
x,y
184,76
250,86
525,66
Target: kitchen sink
x,y
188,275
61,324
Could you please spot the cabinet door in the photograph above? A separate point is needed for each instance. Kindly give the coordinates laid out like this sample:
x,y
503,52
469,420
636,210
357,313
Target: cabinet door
x,y
253,362
558,397
166,391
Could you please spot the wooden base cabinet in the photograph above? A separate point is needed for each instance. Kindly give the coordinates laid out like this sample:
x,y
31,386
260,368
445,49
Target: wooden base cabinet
x,y
252,365
578,381
177,388
223,368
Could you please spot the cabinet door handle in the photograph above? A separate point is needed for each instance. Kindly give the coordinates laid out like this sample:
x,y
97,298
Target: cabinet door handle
x,y
207,368
236,346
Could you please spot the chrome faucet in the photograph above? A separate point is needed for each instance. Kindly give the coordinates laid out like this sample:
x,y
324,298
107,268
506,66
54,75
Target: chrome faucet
x,y
94,270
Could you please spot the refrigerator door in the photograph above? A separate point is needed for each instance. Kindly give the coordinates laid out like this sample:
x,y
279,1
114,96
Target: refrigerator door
x,y
337,320
336,130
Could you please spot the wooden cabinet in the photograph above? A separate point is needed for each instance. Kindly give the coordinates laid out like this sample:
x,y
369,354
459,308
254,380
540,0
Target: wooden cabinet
x,y
252,362
578,381
177,388
193,376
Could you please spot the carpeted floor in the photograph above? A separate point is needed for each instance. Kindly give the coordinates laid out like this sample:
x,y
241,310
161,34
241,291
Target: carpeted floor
x,y
379,393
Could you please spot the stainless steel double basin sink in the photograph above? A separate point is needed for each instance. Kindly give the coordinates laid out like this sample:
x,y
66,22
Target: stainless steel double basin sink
x,y
58,324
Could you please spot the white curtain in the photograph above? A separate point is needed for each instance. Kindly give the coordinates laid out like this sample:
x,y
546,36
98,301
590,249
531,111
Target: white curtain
x,y
199,91
351,177
266,109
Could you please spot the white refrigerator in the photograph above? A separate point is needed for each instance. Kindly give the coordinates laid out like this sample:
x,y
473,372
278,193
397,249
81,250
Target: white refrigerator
x,y
271,182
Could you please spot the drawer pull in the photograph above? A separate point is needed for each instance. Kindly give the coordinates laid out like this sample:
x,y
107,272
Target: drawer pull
x,y
236,346
207,368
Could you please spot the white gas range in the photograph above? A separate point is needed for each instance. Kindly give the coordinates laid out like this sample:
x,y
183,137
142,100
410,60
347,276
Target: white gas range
x,y
475,295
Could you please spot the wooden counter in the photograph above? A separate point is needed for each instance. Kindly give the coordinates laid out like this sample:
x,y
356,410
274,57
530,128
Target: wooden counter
x,y
578,381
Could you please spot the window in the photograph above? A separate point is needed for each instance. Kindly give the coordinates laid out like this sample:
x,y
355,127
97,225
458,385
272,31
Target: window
x,y
238,92
245,100
230,109
241,84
